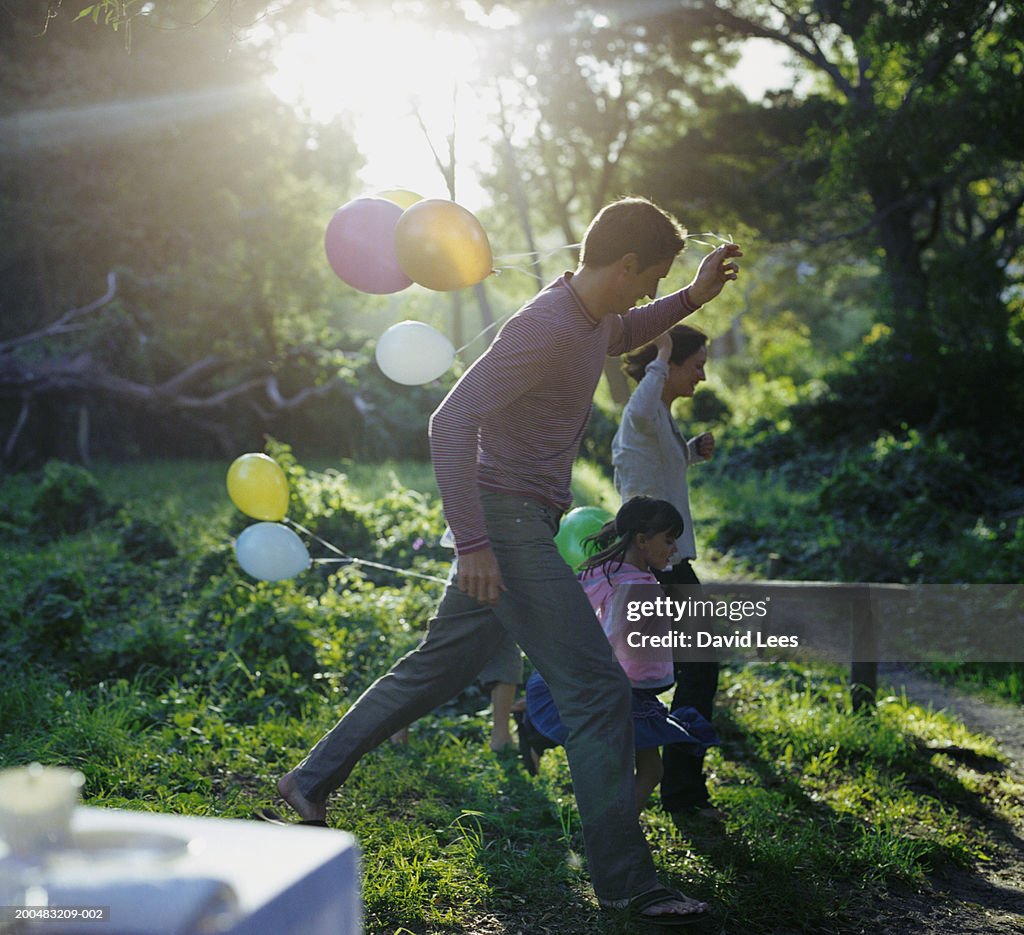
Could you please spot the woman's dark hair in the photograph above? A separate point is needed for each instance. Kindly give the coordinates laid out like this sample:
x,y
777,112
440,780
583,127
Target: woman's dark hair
x,y
686,341
632,225
637,515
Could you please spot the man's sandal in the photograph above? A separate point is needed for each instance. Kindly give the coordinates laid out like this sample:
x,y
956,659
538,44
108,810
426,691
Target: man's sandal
x,y
636,906
274,818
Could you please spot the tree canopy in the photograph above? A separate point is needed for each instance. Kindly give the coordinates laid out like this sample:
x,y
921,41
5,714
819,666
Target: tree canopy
x,y
879,195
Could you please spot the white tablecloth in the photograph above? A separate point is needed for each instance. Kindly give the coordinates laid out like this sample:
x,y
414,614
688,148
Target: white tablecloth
x,y
177,875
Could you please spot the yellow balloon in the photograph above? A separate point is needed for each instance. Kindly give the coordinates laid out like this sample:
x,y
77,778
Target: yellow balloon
x,y
258,487
442,246
400,196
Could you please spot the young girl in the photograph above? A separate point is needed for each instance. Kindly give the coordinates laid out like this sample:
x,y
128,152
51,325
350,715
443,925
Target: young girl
x,y
619,580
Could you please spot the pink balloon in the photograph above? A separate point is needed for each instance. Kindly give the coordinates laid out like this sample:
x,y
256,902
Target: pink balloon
x,y
360,246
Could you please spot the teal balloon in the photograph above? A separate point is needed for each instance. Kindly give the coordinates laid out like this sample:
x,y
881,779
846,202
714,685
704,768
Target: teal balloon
x,y
576,526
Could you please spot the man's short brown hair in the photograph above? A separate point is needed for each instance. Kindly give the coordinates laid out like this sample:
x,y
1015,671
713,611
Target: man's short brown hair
x,y
632,225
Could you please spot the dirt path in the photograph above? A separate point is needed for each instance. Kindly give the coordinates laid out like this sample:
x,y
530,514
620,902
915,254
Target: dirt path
x,y
1004,722
989,899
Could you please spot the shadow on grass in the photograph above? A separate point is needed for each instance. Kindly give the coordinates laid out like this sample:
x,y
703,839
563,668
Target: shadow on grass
x,y
504,853
788,861
489,849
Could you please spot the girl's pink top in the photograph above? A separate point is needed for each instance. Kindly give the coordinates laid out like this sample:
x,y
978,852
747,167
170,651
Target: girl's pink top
x,y
618,596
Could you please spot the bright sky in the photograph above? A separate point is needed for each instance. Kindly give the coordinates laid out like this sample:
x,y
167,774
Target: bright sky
x,y
378,71
762,68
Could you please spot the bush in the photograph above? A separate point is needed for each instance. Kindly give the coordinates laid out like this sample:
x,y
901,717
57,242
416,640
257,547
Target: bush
x,y
55,615
68,500
144,540
899,504
709,406
601,427
908,508
923,381
913,481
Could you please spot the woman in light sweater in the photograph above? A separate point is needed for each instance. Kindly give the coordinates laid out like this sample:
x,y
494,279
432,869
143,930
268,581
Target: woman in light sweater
x,y
651,457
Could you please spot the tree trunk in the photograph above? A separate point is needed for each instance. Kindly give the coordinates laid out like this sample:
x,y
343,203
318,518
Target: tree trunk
x,y
904,273
82,435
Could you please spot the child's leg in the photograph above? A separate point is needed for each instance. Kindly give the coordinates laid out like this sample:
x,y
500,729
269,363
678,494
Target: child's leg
x,y
648,775
502,696
501,676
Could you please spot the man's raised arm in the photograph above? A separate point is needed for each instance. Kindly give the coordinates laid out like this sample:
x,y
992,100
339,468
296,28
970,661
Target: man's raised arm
x,y
645,323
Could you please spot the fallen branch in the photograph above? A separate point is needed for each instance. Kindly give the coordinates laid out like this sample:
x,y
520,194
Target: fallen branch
x,y
68,322
80,375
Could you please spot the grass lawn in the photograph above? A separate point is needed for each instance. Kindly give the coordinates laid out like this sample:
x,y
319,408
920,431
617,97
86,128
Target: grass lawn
x,y
137,651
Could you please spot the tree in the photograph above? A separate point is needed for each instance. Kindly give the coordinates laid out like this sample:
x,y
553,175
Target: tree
x,y
915,129
173,168
902,147
586,97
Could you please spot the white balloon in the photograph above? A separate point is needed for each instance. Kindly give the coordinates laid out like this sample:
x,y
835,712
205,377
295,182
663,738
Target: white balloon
x,y
271,552
413,353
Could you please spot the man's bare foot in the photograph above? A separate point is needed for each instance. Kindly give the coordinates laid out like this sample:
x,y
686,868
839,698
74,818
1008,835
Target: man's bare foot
x,y
288,789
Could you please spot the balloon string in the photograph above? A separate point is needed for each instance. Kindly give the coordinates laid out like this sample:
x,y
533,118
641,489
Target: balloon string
x,y
540,253
546,253
348,559
362,561
493,324
519,269
525,270
726,239
313,535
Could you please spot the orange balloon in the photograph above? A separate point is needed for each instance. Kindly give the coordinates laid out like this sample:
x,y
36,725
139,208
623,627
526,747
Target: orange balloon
x,y
442,246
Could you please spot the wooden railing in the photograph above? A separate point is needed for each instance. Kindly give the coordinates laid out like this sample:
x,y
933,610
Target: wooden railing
x,y
863,650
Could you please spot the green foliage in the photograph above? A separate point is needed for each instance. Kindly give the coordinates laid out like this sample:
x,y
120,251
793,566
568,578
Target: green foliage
x,y
600,430
145,540
185,687
956,388
912,482
905,508
762,399
400,526
1002,681
56,612
709,406
591,486
68,500
219,259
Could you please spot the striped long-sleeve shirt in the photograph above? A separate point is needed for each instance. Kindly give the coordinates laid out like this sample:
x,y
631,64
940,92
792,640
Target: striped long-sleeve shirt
x,y
514,421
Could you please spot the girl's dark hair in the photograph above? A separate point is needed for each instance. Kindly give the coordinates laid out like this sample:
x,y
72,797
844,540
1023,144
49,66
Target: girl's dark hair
x,y
632,225
686,341
637,515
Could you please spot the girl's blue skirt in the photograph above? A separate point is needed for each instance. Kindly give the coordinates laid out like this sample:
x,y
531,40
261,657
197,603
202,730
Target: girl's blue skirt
x,y
653,724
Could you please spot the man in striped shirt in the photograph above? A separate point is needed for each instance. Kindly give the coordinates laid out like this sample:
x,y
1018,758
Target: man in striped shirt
x,y
503,443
